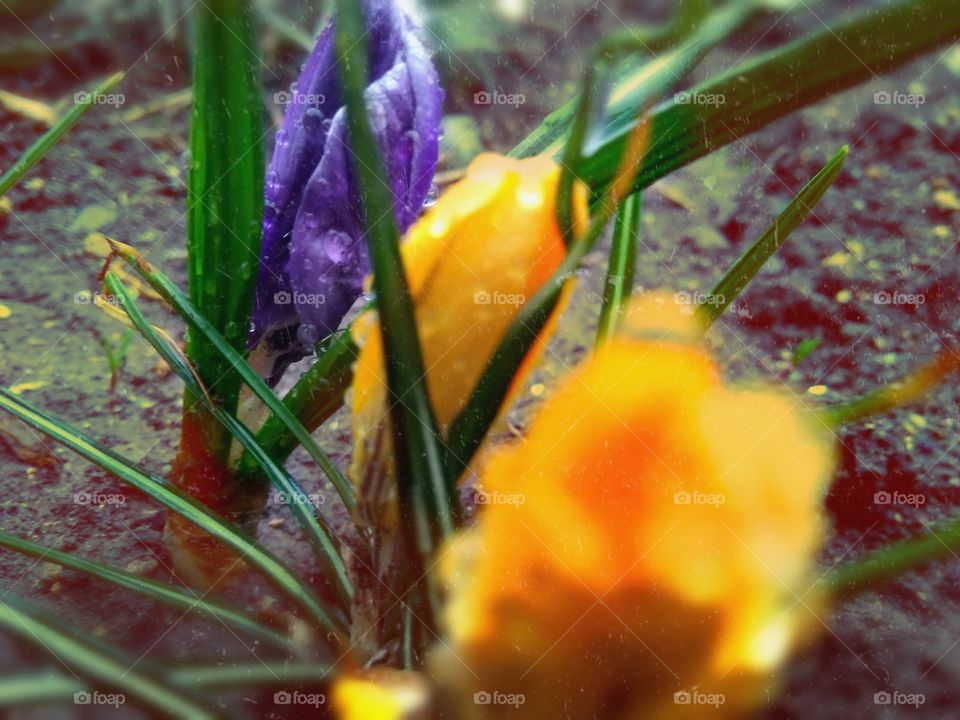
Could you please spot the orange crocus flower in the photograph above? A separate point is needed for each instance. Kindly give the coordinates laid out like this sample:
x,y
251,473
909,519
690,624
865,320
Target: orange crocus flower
x,y
647,550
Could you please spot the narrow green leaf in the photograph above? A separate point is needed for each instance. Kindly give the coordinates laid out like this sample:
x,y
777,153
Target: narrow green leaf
x,y
889,563
620,267
748,265
284,27
251,674
641,78
176,500
425,500
224,189
161,592
238,365
321,538
764,89
893,395
49,687
34,688
51,137
91,659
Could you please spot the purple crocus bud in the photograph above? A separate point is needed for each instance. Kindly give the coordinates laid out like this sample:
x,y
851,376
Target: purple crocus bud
x,y
313,257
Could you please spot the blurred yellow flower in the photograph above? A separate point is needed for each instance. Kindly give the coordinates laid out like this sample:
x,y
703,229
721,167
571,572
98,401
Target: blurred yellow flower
x,y
381,694
647,550
472,261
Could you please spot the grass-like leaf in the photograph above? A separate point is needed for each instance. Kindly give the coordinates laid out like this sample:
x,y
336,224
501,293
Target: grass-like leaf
x,y
762,90
237,364
748,265
889,563
634,84
911,388
224,190
179,502
161,592
427,504
101,665
47,686
51,137
321,539
620,267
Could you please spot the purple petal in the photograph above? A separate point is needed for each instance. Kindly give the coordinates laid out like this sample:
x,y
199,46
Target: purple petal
x,y
313,256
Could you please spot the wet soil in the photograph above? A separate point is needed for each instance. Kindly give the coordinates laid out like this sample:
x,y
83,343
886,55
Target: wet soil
x,y
887,229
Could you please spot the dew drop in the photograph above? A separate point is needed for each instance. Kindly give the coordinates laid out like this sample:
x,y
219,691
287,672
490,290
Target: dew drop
x,y
337,245
308,334
272,185
433,195
313,118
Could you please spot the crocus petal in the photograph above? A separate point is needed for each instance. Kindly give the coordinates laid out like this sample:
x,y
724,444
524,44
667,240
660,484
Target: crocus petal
x,y
313,255
472,262
690,509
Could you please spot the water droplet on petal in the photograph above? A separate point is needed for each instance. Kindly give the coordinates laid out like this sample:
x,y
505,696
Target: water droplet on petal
x,y
337,245
433,195
272,185
313,118
308,334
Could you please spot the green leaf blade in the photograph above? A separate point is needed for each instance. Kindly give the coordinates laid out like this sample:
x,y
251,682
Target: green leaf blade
x,y
748,265
36,152
161,592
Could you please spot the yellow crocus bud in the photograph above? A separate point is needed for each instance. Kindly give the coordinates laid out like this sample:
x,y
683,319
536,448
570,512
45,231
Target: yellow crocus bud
x,y
472,261
648,550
